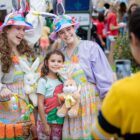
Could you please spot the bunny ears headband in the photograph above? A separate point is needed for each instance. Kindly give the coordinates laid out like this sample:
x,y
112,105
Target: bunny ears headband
x,y
16,17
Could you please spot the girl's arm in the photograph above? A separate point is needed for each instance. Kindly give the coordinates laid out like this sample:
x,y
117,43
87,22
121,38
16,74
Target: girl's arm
x,y
42,114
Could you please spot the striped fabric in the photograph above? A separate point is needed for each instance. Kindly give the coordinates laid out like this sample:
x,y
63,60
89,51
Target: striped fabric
x,y
80,128
103,130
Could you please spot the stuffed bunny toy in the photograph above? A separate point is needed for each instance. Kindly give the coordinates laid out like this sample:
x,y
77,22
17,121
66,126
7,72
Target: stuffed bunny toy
x,y
70,98
30,79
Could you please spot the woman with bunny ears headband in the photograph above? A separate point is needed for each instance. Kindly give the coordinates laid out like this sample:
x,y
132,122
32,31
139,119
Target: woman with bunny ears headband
x,y
91,70
13,48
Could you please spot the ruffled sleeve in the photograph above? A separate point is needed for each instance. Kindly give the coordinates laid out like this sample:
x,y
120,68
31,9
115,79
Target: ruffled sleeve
x,y
101,70
95,66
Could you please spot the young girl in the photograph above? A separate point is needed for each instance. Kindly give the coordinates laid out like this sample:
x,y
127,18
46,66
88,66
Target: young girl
x,y
49,125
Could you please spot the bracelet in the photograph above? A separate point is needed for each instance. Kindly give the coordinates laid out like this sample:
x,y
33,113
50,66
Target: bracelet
x,y
2,86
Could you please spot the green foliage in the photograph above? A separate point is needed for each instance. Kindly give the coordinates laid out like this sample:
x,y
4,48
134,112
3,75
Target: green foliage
x,y
122,51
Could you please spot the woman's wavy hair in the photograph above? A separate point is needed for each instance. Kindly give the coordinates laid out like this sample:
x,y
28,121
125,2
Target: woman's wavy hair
x,y
130,8
6,50
45,69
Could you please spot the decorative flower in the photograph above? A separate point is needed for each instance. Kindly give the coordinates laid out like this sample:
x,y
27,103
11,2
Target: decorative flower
x,y
75,59
83,80
73,19
15,59
11,22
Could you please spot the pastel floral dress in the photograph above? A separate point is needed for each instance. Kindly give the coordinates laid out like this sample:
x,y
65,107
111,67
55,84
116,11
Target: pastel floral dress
x,y
80,128
11,112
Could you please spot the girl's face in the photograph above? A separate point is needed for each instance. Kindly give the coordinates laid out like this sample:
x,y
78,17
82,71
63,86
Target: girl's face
x,y
67,34
55,62
15,34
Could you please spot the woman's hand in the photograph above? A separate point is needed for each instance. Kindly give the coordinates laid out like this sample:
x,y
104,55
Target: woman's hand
x,y
47,129
103,43
122,25
5,94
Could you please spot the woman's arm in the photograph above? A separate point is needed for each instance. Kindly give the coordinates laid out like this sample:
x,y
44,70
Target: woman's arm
x,y
5,93
101,70
112,27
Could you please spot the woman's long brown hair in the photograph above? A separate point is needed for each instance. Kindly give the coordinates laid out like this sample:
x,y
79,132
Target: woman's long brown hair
x,y
6,51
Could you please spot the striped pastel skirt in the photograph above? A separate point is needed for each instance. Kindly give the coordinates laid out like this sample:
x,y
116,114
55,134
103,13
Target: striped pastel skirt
x,y
80,128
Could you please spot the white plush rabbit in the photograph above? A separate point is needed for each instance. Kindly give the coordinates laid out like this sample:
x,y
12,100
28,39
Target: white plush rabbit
x,y
30,78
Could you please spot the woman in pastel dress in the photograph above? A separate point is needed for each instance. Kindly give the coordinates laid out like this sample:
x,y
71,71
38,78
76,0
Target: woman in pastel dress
x,y
13,47
90,69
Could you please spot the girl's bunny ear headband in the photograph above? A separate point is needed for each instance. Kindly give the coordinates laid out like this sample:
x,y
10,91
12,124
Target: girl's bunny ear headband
x,y
16,17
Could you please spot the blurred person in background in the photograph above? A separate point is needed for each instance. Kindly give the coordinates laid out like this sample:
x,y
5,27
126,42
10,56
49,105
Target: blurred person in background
x,y
112,26
132,8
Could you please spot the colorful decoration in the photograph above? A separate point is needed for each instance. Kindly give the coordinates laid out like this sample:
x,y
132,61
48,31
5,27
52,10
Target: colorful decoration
x,y
16,131
73,19
15,59
8,132
29,108
75,59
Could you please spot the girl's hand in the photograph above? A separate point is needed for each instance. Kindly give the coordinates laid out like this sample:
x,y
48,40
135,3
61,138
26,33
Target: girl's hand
x,y
47,129
5,94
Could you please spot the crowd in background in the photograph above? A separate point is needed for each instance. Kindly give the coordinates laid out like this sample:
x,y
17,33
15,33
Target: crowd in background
x,y
110,22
